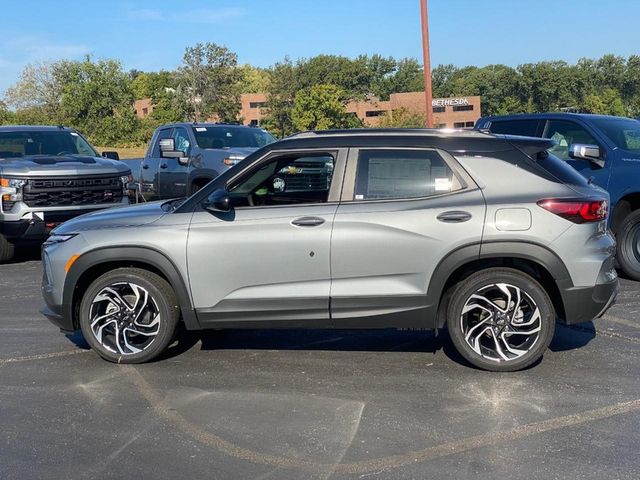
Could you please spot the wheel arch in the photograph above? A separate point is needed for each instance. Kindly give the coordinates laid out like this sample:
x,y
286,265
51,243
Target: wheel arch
x,y
627,204
533,259
92,264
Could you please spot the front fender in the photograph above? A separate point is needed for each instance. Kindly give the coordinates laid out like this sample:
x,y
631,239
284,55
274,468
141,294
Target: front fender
x,y
122,255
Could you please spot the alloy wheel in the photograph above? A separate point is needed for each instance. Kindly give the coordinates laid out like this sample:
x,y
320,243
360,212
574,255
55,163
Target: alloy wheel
x,y
124,318
501,322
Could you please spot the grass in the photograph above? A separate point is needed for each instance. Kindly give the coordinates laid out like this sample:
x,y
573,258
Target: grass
x,y
125,152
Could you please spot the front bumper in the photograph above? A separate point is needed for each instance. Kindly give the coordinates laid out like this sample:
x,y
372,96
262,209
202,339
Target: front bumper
x,y
54,314
36,229
583,304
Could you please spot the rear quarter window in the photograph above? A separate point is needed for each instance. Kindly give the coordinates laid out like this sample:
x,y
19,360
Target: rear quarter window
x,y
560,170
524,128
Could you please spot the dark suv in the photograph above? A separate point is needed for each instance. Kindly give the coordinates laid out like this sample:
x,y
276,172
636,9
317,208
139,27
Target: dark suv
x,y
490,236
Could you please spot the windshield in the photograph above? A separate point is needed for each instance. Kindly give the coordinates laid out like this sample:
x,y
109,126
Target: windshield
x,y
624,132
232,137
24,143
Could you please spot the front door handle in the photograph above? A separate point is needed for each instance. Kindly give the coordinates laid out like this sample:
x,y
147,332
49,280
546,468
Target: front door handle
x,y
454,216
307,221
163,166
145,166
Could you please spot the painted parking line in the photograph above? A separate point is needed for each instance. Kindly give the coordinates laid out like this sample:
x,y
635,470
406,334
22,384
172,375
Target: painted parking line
x,y
42,356
172,416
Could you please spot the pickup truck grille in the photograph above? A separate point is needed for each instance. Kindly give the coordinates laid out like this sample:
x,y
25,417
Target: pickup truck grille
x,y
73,191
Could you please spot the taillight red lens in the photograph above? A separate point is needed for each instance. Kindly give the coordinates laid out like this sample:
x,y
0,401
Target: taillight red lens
x,y
577,211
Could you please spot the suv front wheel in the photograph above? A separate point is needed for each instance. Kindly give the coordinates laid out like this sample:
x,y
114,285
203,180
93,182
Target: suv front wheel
x,y
129,315
500,319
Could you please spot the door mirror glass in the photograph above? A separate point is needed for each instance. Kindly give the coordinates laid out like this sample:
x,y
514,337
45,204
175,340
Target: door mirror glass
x,y
218,201
581,151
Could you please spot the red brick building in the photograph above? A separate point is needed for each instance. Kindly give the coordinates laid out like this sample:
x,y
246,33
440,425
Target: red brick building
x,y
456,112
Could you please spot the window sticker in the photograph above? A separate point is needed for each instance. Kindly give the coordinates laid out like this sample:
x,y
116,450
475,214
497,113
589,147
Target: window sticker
x,y
201,129
74,134
443,185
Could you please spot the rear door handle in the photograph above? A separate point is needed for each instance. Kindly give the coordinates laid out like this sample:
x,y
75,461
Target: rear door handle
x,y
307,221
163,166
145,166
454,216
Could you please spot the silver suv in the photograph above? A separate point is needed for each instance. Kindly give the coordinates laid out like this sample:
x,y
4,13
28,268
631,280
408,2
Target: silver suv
x,y
489,235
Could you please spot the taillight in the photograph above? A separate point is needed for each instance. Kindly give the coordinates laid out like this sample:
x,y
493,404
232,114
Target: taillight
x,y
577,211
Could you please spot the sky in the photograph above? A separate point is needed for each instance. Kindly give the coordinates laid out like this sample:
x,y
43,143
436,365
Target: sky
x,y
152,35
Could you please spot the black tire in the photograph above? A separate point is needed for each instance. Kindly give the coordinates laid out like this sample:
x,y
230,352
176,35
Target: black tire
x,y
161,304
628,245
499,327
7,249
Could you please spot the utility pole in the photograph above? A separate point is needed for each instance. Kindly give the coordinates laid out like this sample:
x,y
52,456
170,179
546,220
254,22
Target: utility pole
x,y
427,62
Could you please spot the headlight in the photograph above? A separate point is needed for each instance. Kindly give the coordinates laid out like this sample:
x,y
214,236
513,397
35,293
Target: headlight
x,y
126,180
53,239
11,192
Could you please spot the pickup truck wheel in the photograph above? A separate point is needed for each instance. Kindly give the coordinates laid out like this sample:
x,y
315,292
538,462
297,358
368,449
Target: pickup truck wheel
x,y
7,249
500,319
628,245
129,315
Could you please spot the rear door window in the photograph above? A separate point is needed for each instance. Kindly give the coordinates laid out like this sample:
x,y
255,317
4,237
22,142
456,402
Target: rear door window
x,y
402,174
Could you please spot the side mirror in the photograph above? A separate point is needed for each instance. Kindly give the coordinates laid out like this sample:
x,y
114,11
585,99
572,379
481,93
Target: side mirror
x,y
219,201
591,153
168,150
111,155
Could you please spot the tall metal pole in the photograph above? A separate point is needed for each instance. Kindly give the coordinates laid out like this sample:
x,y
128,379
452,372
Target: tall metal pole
x,y
427,62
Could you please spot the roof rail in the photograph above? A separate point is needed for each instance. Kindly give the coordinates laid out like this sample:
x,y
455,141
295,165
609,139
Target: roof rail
x,y
305,134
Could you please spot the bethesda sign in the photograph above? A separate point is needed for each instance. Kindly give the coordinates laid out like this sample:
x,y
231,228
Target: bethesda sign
x,y
449,102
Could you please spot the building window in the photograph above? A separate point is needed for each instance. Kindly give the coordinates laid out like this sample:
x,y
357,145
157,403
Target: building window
x,y
441,125
462,108
254,123
469,124
256,104
374,113
438,109
458,125
145,112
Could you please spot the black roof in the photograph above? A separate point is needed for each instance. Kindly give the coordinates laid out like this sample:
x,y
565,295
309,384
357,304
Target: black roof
x,y
459,141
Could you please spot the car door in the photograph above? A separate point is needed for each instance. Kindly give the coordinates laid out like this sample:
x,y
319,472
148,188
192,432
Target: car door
x,y
403,210
149,172
174,172
567,133
268,259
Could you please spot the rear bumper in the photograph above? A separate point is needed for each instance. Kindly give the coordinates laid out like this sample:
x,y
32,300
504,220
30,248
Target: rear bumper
x,y
583,304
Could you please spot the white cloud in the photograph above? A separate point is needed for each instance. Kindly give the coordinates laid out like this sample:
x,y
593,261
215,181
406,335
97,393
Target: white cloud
x,y
198,15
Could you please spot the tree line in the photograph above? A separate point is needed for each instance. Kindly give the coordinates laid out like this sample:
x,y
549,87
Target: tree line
x,y
96,96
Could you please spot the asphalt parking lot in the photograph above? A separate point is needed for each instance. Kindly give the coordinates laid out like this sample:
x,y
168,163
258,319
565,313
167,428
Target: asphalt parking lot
x,y
314,404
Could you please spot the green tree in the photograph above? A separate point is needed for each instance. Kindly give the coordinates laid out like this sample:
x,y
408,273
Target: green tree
x,y
209,80
38,89
281,94
322,107
97,98
608,102
254,79
402,118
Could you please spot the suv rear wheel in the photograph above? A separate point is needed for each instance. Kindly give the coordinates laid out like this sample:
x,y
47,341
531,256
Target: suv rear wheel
x,y
129,315
7,249
500,319
628,245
